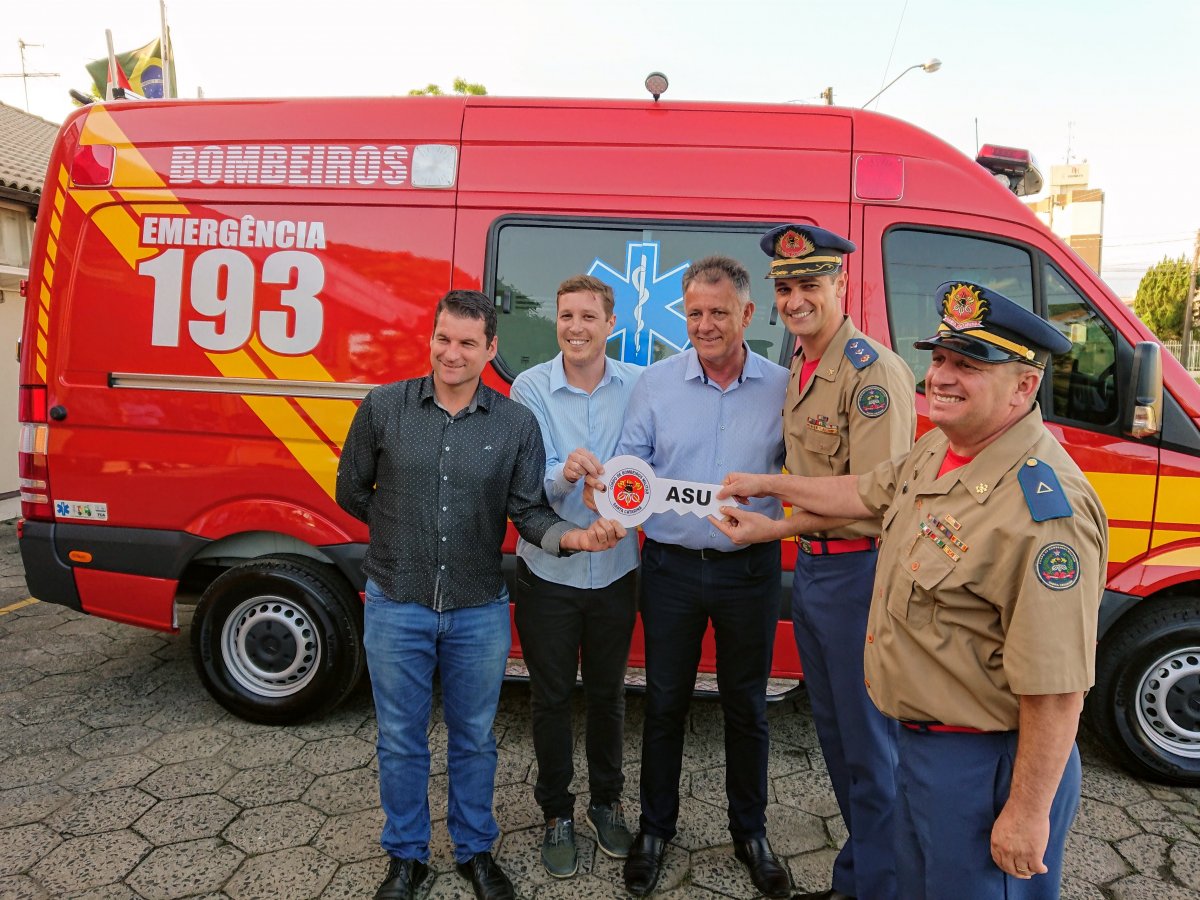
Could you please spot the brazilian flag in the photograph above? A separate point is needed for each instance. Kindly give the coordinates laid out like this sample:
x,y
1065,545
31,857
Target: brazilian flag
x,y
143,67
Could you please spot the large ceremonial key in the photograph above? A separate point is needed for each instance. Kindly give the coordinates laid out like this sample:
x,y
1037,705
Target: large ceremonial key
x,y
633,493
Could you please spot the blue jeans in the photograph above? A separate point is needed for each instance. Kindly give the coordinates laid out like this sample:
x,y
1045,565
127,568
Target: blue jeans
x,y
406,643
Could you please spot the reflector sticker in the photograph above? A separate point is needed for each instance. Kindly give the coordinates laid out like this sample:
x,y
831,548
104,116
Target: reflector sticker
x,y
81,509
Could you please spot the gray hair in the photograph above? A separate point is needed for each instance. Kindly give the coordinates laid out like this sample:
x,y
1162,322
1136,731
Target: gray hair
x,y
712,269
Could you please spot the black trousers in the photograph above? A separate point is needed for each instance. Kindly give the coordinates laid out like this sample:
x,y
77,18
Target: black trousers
x,y
681,594
564,629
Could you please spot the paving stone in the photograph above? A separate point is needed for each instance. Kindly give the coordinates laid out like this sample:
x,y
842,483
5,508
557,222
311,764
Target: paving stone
x,y
344,792
1171,830
183,870
185,779
793,831
89,862
21,887
85,661
717,870
1149,810
108,892
784,759
337,754
357,880
181,746
267,784
581,886
19,740
31,803
811,792
118,741
1162,793
343,721
48,709
103,811
1147,853
17,678
813,871
1092,860
686,891
1104,821
130,709
67,684
351,837
295,872
276,827
108,773
204,712
1074,889
48,766
701,825
512,768
24,845
186,819
1142,887
266,749
1185,864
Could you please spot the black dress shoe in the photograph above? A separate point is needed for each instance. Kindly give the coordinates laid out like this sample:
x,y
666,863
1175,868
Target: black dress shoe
x,y
403,878
767,873
489,882
644,864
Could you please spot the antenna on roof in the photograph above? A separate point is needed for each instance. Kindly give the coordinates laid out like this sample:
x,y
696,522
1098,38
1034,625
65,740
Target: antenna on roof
x,y
25,74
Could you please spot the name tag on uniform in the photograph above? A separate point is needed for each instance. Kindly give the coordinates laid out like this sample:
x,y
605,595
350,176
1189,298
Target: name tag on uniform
x,y
633,493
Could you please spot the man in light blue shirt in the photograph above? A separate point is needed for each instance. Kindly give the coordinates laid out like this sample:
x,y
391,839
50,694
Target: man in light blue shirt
x,y
691,417
578,609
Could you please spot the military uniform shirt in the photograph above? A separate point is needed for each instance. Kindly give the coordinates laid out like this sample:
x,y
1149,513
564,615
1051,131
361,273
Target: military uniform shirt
x,y
975,602
854,413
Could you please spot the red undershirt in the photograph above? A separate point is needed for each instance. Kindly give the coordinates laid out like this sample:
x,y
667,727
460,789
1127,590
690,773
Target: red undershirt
x,y
953,461
806,370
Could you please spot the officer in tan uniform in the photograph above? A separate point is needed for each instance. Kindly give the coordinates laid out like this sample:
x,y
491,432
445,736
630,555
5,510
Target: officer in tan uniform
x,y
982,632
849,407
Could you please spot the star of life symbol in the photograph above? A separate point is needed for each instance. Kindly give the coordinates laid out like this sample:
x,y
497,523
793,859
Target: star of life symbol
x,y
62,508
647,304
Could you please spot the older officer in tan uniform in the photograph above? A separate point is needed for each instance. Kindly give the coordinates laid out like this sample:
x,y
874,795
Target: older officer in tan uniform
x,y
849,407
981,638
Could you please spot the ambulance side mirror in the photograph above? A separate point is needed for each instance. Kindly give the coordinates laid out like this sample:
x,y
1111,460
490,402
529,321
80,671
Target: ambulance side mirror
x,y
1141,407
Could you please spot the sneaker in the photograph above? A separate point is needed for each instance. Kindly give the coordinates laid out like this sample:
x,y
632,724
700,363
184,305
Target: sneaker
x,y
612,834
558,848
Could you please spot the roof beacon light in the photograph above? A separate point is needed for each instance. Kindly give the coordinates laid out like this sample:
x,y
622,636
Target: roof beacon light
x,y
656,84
1013,167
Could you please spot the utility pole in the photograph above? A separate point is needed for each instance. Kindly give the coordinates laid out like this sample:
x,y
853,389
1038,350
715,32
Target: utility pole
x,y
24,74
1186,344
827,95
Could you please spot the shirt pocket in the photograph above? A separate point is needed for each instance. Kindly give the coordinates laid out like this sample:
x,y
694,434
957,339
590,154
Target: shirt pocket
x,y
927,567
822,445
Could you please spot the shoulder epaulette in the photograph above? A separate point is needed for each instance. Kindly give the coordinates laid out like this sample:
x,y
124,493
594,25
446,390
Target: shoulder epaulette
x,y
1043,493
860,353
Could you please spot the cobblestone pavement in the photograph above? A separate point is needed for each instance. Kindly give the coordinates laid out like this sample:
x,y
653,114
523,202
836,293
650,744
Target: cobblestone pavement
x,y
120,778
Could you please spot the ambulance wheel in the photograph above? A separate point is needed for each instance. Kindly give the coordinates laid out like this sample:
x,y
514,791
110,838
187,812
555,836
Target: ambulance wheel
x,y
1145,707
278,640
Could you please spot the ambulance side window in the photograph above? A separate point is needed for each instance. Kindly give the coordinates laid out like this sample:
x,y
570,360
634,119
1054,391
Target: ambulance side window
x,y
643,262
915,262
1083,380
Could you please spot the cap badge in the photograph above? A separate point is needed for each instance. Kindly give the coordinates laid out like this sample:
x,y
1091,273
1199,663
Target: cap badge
x,y
963,308
792,245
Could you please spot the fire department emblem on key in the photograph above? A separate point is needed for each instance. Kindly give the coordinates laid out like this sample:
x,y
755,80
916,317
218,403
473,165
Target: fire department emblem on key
x,y
629,490
963,308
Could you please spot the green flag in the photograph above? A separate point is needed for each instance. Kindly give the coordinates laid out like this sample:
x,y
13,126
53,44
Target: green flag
x,y
143,67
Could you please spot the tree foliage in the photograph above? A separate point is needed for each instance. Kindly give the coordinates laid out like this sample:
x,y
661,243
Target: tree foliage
x,y
461,87
1160,297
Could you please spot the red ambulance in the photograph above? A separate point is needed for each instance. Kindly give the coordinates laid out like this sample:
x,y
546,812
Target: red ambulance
x,y
215,284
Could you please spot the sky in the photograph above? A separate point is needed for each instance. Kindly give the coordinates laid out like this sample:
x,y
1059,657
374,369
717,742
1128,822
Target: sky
x,y
1110,83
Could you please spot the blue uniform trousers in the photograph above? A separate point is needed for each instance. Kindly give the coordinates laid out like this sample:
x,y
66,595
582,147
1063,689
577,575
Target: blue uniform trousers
x,y
950,788
831,596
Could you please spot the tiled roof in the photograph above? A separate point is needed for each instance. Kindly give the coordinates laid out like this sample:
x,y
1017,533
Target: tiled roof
x,y
25,143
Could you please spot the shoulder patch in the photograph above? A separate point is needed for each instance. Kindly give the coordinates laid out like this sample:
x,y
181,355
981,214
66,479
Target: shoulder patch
x,y
1043,493
873,401
1057,566
860,353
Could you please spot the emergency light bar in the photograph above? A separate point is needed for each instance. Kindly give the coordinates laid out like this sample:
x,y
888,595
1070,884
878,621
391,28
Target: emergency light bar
x,y
1016,169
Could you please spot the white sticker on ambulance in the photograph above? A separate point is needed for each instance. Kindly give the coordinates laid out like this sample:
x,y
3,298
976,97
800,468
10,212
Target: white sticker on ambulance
x,y
81,509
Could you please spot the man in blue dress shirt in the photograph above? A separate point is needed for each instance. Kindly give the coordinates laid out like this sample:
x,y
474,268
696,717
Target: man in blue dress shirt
x,y
578,611
690,417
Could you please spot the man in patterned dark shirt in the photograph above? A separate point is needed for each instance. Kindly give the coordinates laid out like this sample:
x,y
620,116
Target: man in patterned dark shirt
x,y
436,466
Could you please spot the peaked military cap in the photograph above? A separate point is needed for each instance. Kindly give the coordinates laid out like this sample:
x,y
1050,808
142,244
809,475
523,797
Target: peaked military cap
x,y
985,325
797,250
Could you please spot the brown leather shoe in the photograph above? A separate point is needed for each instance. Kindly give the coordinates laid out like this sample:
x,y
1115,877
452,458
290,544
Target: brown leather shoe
x,y
767,873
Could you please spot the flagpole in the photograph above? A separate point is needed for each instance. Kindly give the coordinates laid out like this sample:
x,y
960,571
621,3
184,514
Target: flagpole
x,y
112,66
167,52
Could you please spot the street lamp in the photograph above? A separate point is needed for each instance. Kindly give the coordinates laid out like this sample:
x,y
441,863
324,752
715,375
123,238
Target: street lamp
x,y
930,65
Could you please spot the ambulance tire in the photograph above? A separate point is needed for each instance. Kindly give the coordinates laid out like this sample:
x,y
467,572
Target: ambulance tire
x,y
278,640
1145,706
